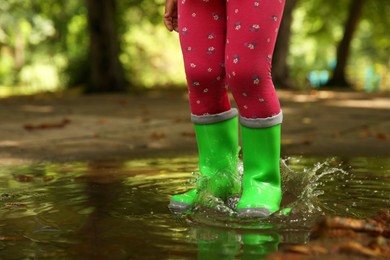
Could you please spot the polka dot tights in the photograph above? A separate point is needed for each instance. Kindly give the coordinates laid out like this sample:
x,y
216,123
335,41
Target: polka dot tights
x,y
229,44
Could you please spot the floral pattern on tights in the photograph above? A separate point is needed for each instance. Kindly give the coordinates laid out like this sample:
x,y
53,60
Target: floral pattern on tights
x,y
228,44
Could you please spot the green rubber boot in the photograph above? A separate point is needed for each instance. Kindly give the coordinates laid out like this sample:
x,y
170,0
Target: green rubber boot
x,y
218,160
261,187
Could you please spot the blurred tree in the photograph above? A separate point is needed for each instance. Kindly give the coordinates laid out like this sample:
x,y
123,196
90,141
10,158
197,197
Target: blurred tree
x,y
374,32
343,50
23,28
280,69
12,36
313,38
106,69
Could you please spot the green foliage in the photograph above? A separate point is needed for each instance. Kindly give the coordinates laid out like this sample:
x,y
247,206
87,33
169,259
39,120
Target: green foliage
x,y
313,40
44,43
318,27
33,42
150,52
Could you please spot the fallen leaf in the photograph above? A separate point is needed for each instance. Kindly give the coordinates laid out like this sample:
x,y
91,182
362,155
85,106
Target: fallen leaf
x,y
299,249
123,102
308,250
187,134
381,136
365,133
42,126
24,178
102,121
356,248
157,136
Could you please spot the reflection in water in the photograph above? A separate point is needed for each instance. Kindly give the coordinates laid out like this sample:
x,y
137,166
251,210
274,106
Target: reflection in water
x,y
228,244
119,210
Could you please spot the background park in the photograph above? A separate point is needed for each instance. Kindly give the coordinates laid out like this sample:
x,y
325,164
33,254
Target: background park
x,y
95,120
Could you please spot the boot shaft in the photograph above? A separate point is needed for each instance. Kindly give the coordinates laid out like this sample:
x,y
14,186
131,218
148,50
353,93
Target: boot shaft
x,y
261,154
261,187
217,146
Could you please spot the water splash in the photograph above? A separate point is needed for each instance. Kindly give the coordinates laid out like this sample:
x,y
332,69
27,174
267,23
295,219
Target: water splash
x,y
312,188
302,190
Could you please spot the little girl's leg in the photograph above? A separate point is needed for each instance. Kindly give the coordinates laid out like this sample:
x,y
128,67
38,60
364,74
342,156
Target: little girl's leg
x,y
202,36
202,28
252,29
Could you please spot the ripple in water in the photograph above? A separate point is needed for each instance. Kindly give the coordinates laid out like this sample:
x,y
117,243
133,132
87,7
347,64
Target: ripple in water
x,y
119,209
330,187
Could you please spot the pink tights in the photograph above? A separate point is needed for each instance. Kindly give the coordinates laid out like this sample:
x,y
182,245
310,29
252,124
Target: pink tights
x,y
229,44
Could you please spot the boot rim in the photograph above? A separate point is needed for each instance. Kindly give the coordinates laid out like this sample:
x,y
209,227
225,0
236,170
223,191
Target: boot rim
x,y
214,118
262,122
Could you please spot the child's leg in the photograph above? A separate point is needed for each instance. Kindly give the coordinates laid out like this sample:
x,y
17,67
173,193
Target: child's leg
x,y
202,28
252,29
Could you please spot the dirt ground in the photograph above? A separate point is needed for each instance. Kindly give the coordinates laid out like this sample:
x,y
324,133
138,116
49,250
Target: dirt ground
x,y
65,127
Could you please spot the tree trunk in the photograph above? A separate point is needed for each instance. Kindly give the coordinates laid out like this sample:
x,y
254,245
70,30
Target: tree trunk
x,y
106,69
339,76
19,56
280,70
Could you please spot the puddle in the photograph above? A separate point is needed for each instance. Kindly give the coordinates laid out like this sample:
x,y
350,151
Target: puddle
x,y
119,209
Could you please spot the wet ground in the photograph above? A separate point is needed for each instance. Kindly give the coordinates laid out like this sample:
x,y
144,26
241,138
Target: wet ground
x,y
91,177
118,210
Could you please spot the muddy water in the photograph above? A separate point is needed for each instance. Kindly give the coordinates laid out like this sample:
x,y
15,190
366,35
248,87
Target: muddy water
x,y
118,210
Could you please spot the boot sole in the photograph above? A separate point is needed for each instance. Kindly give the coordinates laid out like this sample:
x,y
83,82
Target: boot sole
x,y
178,207
253,213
